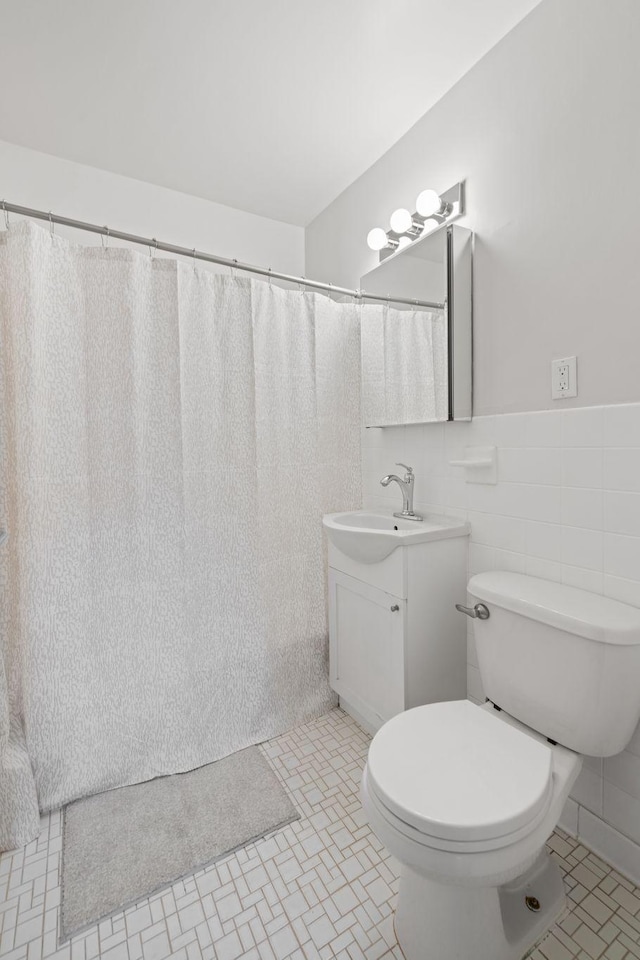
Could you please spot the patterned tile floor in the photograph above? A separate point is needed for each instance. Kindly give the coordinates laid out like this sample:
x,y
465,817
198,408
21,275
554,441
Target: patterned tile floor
x,y
322,887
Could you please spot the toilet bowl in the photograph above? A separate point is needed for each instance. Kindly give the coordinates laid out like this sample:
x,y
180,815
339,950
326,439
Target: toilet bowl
x,y
466,796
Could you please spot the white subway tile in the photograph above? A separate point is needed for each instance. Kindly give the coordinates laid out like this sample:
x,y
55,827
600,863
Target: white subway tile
x,y
472,656
622,425
508,533
634,744
544,540
434,462
481,559
622,811
535,502
530,465
433,436
542,428
486,498
455,493
583,427
545,569
373,436
622,469
475,689
608,843
587,790
627,591
582,467
510,429
483,431
508,560
592,580
622,512
583,548
457,434
569,817
623,771
622,556
582,507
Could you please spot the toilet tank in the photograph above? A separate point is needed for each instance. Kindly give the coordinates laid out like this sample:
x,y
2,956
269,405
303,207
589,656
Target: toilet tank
x,y
563,661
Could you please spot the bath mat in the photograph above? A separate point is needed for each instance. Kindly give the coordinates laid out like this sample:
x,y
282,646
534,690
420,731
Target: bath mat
x,y
121,846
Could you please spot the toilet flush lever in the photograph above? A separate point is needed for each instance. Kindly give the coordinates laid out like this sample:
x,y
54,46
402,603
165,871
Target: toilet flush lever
x,y
479,612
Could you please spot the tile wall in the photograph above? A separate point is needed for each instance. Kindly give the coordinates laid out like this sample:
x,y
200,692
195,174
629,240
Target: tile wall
x,y
566,507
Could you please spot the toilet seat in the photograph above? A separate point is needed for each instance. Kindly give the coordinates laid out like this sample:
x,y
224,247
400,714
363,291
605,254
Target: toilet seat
x,y
459,777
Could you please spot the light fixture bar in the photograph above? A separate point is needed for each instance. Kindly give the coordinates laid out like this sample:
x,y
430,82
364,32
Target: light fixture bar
x,y
405,227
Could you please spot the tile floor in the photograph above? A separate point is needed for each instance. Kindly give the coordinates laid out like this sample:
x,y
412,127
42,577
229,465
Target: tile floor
x,y
321,888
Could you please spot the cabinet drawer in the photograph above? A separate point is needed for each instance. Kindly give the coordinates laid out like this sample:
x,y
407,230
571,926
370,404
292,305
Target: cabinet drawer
x,y
389,574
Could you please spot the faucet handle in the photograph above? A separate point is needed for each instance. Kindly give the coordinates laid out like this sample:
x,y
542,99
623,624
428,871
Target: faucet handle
x,y
408,469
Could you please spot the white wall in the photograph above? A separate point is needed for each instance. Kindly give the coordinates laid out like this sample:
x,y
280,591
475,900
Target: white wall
x,y
543,131
33,179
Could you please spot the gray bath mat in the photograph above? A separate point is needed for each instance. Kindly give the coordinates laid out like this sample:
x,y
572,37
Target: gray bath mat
x,y
121,846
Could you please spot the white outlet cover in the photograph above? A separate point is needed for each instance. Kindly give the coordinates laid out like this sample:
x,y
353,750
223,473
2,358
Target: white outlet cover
x,y
564,378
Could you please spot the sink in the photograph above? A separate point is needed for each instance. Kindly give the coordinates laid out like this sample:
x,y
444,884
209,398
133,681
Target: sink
x,y
369,536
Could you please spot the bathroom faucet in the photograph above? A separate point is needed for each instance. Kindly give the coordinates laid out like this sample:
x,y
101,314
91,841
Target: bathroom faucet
x,y
406,486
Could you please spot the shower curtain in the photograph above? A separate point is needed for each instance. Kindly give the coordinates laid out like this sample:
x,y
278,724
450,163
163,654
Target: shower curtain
x,y
170,441
404,365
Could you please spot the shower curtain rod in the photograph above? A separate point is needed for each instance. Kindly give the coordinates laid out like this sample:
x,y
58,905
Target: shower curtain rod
x,y
154,244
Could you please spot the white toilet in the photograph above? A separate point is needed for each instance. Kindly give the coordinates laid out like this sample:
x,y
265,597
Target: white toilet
x,y
465,796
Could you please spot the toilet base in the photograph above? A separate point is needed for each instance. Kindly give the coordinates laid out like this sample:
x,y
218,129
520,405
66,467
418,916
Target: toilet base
x,y
437,921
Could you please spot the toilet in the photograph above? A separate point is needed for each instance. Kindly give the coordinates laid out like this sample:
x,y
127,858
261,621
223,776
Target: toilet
x,y
465,796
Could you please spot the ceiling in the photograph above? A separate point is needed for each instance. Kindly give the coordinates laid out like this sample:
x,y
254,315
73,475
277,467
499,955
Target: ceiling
x,y
270,106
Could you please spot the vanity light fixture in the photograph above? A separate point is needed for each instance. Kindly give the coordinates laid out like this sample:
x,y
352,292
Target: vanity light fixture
x,y
432,210
401,222
429,204
378,239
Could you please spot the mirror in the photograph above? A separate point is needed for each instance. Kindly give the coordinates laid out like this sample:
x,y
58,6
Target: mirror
x,y
416,359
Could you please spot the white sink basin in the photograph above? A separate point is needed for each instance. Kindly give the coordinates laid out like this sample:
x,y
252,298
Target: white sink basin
x,y
369,536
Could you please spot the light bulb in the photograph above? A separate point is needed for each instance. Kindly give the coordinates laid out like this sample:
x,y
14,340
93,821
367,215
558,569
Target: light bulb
x,y
429,225
400,221
428,203
377,238
403,242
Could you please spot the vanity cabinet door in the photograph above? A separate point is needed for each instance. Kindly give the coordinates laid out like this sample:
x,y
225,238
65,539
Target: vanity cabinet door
x,y
366,648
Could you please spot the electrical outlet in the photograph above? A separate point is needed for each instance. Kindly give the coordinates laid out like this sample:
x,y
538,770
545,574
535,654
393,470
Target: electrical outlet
x,y
564,378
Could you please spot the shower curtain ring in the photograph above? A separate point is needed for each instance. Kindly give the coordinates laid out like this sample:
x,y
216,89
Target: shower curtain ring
x,y
6,214
269,276
51,225
105,243
233,268
194,259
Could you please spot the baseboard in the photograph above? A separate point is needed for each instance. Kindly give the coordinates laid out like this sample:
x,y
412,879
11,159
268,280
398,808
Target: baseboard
x,y
622,853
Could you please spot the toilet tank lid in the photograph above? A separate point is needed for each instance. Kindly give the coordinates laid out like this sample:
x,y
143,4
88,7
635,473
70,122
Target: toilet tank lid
x,y
580,612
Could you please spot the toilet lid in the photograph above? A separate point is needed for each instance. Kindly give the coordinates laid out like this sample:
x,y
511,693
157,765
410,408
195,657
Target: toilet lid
x,y
457,772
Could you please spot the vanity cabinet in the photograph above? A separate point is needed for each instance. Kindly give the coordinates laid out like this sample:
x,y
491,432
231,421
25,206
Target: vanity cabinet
x,y
395,638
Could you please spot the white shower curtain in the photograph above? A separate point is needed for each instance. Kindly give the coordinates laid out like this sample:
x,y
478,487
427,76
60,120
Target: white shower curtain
x,y
170,441
404,365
